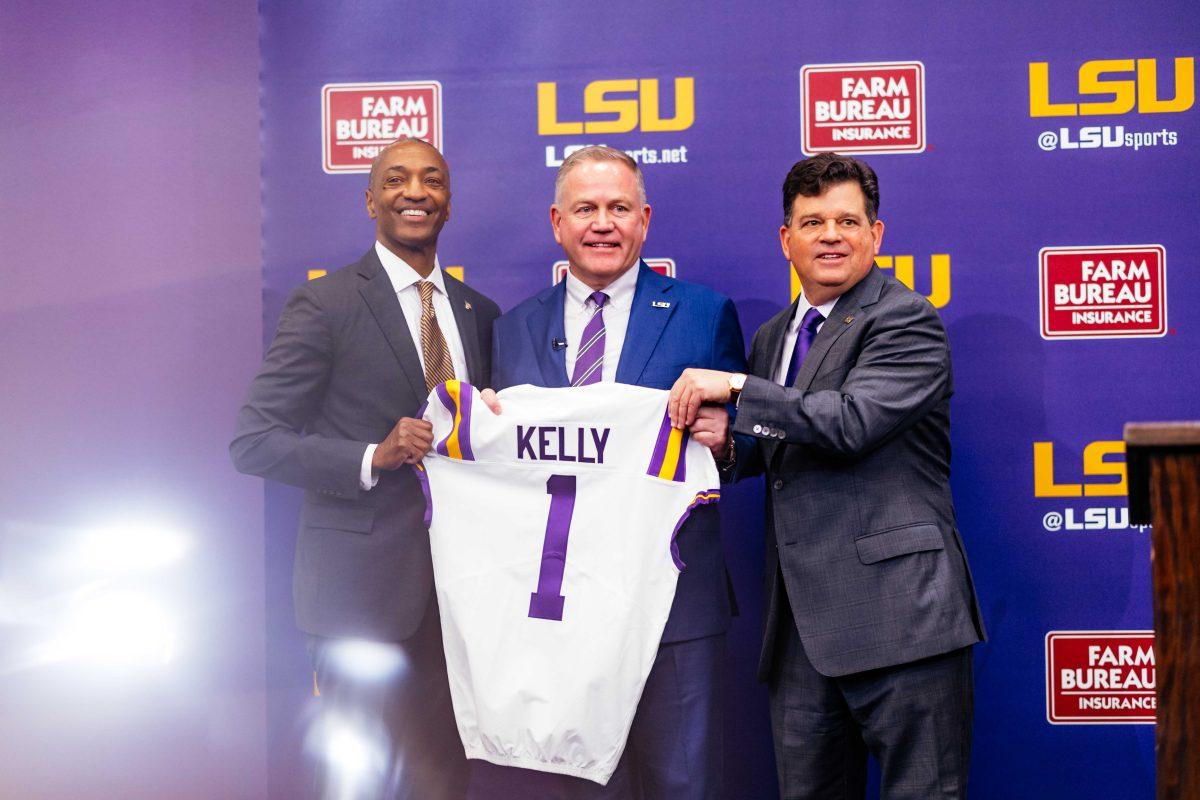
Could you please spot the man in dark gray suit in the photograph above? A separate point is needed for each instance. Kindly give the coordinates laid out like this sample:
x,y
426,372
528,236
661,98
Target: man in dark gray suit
x,y
333,411
871,612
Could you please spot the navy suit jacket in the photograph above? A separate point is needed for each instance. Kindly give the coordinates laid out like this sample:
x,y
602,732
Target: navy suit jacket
x,y
673,325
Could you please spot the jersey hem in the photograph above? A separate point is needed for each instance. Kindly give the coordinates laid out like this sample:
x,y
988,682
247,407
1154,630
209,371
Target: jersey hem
x,y
595,774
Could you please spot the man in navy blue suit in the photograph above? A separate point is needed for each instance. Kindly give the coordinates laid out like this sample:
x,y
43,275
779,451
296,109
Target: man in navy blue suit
x,y
614,319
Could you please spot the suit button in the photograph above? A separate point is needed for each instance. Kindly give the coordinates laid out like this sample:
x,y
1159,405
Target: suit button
x,y
781,434
758,429
767,431
777,485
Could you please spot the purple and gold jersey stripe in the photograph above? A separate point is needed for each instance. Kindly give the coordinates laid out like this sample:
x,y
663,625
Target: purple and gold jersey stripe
x,y
456,397
668,461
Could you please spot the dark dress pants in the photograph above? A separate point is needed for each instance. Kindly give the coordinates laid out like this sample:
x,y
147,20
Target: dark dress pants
x,y
385,729
914,718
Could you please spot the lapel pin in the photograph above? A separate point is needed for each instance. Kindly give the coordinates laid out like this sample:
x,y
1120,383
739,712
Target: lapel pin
x,y
467,305
659,304
848,320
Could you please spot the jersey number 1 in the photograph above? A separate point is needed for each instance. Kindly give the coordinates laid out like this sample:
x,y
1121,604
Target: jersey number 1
x,y
547,601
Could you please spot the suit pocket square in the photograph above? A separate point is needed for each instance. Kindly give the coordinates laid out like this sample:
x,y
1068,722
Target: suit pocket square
x,y
875,547
357,519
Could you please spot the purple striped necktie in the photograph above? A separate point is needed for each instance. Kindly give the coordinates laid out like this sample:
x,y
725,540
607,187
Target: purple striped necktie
x,y
804,339
589,359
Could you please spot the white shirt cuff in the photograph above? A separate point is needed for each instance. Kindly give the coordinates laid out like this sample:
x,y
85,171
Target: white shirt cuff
x,y
366,476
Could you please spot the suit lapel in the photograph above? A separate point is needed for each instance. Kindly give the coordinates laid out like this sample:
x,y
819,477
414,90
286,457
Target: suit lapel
x,y
545,326
775,333
381,298
845,313
468,334
648,318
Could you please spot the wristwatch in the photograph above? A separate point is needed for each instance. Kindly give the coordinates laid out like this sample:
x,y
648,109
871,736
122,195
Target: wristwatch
x,y
736,381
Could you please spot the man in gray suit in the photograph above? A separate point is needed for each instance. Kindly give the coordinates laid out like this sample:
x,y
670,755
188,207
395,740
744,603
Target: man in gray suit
x,y
871,612
333,410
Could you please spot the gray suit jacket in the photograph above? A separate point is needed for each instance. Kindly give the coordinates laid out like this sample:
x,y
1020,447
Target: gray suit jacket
x,y
860,521
340,372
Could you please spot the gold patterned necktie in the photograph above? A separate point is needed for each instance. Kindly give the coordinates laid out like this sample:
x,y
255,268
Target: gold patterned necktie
x,y
438,365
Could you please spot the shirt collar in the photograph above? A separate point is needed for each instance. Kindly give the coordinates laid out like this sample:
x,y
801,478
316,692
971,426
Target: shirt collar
x,y
402,275
620,292
802,307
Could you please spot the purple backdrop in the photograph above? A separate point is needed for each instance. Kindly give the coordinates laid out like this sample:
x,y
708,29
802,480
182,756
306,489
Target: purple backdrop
x,y
989,190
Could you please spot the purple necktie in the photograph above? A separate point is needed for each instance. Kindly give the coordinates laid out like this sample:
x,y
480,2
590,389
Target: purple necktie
x,y
804,339
589,360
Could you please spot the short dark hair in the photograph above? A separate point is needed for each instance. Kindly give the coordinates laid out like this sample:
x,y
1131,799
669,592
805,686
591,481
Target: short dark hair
x,y
810,177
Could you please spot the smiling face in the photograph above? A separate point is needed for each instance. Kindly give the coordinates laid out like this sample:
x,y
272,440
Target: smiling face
x,y
830,241
599,221
409,198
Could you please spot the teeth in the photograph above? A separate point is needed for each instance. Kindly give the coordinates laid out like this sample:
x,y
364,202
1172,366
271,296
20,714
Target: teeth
x,y
601,244
414,212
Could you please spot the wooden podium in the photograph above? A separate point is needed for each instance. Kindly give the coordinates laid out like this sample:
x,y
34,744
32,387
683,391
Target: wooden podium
x,y
1164,491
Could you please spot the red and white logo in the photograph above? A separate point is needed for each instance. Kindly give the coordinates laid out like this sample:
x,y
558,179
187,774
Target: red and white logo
x,y
1103,292
663,266
1095,677
863,108
360,119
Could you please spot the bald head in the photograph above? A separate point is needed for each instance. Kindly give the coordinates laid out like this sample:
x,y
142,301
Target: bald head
x,y
403,141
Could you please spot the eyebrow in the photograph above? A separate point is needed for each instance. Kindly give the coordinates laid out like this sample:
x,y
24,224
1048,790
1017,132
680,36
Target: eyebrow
x,y
402,168
836,214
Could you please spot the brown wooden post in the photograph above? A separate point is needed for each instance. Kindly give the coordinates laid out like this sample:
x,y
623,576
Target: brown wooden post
x,y
1164,491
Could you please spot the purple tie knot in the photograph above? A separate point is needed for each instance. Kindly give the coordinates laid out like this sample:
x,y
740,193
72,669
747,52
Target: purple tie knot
x,y
809,323
812,318
599,298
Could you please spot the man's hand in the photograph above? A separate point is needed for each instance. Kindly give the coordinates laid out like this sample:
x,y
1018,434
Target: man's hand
x,y
490,400
408,443
711,429
694,388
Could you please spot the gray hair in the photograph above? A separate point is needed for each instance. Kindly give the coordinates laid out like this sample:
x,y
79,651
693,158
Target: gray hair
x,y
375,162
598,152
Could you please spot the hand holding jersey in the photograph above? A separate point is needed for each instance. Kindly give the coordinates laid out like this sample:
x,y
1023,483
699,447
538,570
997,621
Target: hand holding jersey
x,y
552,529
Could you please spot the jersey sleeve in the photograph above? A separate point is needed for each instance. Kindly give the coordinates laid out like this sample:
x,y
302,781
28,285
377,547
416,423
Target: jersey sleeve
x,y
449,407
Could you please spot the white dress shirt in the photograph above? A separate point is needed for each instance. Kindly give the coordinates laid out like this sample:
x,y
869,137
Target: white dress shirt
x,y
578,310
793,333
404,281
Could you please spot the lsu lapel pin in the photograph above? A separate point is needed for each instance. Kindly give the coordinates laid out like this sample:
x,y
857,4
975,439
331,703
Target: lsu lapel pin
x,y
848,320
467,305
659,304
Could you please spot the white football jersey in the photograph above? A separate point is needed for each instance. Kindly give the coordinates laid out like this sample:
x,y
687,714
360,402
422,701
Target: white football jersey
x,y
552,527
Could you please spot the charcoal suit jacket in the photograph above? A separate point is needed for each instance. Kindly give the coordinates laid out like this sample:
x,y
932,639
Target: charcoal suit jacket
x,y
860,521
342,369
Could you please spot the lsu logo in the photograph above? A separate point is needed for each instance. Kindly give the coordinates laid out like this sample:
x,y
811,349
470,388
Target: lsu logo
x,y
618,106
904,270
1102,476
1116,86
360,119
863,108
1103,292
663,266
